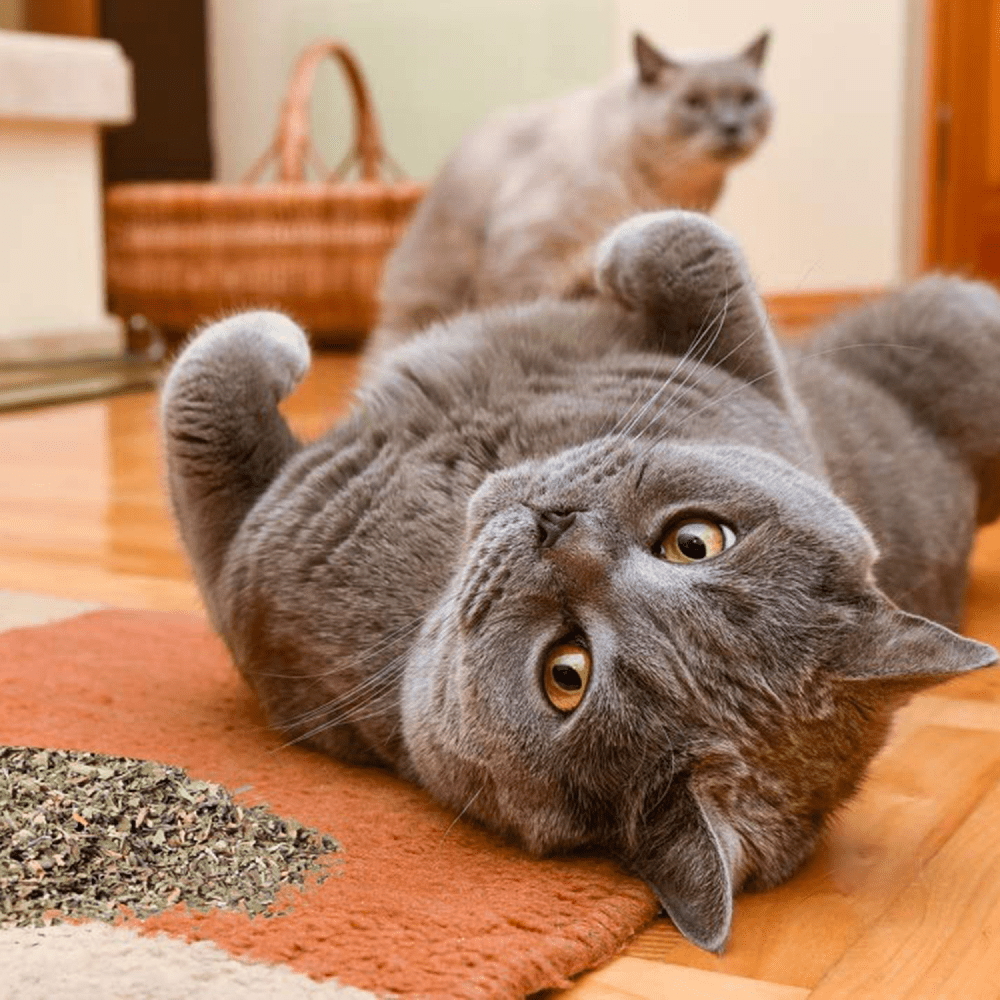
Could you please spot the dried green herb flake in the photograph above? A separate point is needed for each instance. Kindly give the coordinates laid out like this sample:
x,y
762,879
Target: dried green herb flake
x,y
88,836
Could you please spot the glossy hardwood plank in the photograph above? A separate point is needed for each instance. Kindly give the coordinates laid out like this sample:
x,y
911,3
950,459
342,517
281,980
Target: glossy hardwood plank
x,y
638,979
941,939
83,513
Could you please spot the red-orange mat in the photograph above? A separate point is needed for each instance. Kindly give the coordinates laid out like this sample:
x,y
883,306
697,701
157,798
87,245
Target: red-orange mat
x,y
424,906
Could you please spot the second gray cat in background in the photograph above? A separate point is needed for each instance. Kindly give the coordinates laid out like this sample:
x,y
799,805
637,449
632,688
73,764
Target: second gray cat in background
x,y
515,212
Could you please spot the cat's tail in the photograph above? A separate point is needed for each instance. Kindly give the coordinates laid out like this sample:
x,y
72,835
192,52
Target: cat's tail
x,y
935,347
224,438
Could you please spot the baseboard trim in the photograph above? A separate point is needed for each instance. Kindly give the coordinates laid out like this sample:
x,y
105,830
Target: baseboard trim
x,y
103,336
794,312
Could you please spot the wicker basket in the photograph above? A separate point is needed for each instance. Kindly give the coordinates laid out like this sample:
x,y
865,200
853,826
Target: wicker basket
x,y
180,252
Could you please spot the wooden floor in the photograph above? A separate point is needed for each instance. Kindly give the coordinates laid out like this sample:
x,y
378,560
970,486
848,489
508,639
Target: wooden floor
x,y
902,901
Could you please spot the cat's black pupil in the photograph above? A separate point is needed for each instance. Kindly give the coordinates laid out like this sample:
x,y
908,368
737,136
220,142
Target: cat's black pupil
x,y
692,546
566,677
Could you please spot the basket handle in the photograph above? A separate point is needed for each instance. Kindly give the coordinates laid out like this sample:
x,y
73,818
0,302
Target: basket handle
x,y
292,145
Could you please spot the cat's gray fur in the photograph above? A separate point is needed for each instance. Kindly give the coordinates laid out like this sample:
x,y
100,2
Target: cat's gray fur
x,y
517,209
385,592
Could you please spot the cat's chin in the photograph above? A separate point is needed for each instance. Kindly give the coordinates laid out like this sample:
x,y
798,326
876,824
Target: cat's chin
x,y
730,154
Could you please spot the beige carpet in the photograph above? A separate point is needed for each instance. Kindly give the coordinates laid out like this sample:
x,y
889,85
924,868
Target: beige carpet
x,y
98,962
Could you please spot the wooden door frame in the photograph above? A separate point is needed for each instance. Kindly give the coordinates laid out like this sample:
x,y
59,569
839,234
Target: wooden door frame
x,y
63,17
954,143
936,122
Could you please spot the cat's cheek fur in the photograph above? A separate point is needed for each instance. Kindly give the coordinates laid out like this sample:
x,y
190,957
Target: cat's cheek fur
x,y
447,757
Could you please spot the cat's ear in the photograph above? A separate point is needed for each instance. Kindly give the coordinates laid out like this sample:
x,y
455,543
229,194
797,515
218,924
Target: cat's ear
x,y
757,50
909,651
651,61
688,858
690,281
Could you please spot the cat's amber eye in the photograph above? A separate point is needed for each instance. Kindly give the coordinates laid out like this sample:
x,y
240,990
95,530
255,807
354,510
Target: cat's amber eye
x,y
696,101
747,97
695,540
567,673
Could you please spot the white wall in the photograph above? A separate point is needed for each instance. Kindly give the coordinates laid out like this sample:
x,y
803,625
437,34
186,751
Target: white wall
x,y
822,204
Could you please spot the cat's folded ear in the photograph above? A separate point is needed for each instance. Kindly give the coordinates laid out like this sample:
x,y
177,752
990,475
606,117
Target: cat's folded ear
x,y
652,63
689,859
757,49
689,280
908,652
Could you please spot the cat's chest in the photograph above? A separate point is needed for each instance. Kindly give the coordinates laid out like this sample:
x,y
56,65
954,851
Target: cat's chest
x,y
688,183
537,413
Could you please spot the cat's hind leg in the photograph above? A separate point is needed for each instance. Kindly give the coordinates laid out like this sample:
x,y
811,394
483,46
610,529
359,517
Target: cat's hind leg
x,y
224,437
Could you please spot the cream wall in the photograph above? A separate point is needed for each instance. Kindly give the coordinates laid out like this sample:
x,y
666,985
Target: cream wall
x,y
820,207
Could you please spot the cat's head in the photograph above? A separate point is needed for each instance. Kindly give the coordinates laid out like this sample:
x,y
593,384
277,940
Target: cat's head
x,y
674,651
717,109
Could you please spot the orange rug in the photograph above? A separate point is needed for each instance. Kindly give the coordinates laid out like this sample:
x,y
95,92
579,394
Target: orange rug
x,y
421,905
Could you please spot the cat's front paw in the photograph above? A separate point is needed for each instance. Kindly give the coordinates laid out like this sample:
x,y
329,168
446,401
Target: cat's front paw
x,y
672,259
260,346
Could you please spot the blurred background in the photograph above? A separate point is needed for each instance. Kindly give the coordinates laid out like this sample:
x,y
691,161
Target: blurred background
x,y
884,158
840,74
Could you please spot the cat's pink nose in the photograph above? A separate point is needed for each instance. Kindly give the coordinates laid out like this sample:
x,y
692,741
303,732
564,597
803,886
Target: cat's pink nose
x,y
552,525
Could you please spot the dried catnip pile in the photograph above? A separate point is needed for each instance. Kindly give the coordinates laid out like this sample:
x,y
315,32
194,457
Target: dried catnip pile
x,y
88,835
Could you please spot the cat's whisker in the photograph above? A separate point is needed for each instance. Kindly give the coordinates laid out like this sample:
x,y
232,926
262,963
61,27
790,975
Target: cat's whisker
x,y
340,720
698,362
391,666
464,810
330,724
771,372
694,385
715,325
661,359
383,678
372,687
382,646
615,346
621,429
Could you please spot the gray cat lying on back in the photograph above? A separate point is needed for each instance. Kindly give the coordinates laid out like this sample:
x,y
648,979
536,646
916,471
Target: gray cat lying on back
x,y
617,573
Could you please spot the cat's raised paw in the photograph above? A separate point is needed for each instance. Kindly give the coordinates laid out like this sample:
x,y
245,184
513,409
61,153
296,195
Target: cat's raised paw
x,y
263,346
671,259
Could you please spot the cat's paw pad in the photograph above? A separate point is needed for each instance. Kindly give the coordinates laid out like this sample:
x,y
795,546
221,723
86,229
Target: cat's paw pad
x,y
673,254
